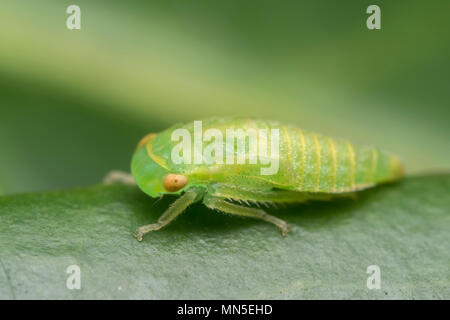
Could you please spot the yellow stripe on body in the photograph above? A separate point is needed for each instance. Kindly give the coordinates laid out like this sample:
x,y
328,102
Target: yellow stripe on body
x,y
302,172
351,155
160,161
146,139
317,149
289,149
334,158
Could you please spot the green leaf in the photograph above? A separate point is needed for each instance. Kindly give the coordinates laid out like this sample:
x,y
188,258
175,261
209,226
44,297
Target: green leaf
x,y
403,228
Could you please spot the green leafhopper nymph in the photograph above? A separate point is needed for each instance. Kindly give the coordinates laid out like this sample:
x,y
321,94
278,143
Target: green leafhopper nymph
x,y
247,160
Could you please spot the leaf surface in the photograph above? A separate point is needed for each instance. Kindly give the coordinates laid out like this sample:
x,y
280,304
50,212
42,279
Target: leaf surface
x,y
403,228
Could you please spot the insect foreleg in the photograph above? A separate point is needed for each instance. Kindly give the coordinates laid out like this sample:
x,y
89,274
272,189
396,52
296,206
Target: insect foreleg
x,y
227,207
189,197
119,177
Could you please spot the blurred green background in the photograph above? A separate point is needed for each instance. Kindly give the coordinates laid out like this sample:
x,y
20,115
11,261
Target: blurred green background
x,y
74,103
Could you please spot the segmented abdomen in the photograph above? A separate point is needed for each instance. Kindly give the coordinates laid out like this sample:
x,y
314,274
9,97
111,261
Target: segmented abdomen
x,y
308,161
312,162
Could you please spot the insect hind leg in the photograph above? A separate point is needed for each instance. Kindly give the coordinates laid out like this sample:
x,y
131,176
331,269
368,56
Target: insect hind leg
x,y
232,208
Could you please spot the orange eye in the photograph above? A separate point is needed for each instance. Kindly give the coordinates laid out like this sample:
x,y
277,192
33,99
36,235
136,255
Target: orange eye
x,y
174,182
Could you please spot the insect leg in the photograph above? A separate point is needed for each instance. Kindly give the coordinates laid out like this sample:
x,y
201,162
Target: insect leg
x,y
119,177
171,213
227,207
